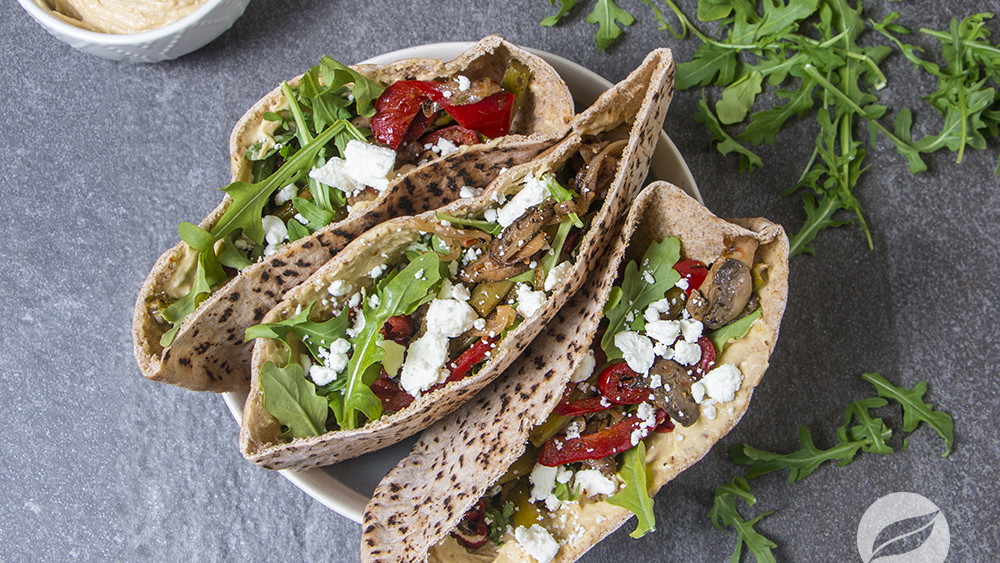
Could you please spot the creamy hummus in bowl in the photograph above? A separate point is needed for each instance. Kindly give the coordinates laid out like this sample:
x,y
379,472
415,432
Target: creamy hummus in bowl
x,y
136,30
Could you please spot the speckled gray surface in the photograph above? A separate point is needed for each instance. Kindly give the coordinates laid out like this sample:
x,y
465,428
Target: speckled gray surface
x,y
101,160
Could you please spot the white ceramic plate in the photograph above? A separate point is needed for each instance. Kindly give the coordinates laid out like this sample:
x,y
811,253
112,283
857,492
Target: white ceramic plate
x,y
347,486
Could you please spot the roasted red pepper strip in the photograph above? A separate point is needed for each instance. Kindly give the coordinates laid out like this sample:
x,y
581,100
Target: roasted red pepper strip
x,y
581,406
391,394
396,109
456,135
609,441
610,385
475,354
693,271
490,116
398,328
707,361
666,426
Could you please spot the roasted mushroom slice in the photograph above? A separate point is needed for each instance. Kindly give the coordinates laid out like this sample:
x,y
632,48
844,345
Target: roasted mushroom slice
x,y
600,171
674,393
727,287
506,248
485,269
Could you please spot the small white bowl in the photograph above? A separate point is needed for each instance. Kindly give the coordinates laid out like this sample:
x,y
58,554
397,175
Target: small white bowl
x,y
187,34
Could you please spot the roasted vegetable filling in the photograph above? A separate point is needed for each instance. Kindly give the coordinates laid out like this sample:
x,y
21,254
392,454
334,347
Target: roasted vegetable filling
x,y
651,368
433,314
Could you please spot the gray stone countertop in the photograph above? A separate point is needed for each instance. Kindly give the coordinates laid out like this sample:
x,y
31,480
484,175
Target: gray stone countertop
x,y
101,160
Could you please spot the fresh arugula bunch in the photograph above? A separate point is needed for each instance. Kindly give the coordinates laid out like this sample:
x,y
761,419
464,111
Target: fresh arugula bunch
x,y
967,82
860,432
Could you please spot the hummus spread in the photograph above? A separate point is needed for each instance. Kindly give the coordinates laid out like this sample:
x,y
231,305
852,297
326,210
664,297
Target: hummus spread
x,y
122,16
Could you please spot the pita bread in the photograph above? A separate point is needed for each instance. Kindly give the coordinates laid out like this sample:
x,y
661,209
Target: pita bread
x,y
638,104
208,352
457,460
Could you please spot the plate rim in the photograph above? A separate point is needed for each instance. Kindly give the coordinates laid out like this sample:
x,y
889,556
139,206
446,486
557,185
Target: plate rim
x,y
319,484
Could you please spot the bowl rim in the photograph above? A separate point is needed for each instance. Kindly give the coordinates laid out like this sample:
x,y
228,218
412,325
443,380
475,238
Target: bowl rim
x,y
44,16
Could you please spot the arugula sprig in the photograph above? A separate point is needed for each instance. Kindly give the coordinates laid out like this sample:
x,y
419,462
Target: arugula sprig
x,y
628,301
860,432
725,514
635,496
606,15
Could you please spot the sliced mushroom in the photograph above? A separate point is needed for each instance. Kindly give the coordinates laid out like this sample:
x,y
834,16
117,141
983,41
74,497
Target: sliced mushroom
x,y
727,287
674,395
487,270
506,247
600,171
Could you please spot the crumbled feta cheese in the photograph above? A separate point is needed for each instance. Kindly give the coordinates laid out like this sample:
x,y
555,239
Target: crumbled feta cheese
x,y
586,368
460,292
647,276
445,147
592,483
657,308
557,275
334,361
682,284
301,219
359,322
637,350
479,324
532,193
691,329
686,353
334,174
573,430
275,231
373,301
719,385
463,83
543,480
377,271
655,382
528,301
286,194
369,164
647,414
491,215
537,542
709,411
467,192
322,375
471,255
354,301
663,331
426,357
680,437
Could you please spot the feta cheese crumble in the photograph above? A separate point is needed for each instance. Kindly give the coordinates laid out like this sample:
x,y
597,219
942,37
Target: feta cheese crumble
x,y
586,368
592,483
425,361
537,542
686,353
637,350
557,275
528,301
719,385
533,193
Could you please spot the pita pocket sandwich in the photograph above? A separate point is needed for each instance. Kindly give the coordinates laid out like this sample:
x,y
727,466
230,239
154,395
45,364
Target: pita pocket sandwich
x,y
418,314
318,161
636,378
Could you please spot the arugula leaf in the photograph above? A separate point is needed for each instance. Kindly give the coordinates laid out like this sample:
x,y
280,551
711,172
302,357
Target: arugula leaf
x,y
564,7
208,274
872,430
498,521
800,464
915,409
364,90
566,493
635,495
607,15
292,399
561,194
314,335
748,160
725,514
734,330
195,237
485,226
739,97
401,295
637,293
